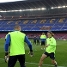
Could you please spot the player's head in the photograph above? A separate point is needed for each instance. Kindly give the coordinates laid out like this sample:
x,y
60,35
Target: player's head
x,y
50,34
43,33
17,27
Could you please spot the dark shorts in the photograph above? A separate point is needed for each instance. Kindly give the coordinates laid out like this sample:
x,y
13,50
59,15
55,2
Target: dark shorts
x,y
51,55
13,59
35,41
42,43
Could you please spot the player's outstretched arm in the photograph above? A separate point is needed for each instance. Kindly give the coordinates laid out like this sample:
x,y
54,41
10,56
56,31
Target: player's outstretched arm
x,y
7,43
29,45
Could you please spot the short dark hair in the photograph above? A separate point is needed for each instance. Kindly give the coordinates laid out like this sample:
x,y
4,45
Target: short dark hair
x,y
16,26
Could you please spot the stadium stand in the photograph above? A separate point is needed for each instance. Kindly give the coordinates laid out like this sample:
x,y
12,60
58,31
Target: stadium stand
x,y
30,35
35,25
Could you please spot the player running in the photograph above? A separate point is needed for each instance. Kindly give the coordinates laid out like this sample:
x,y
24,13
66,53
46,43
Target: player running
x,y
50,50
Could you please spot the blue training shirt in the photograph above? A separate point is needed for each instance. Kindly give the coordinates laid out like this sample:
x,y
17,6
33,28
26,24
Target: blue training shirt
x,y
7,43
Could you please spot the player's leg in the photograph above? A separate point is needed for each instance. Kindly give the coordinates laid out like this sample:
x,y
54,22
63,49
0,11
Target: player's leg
x,y
52,56
21,59
41,45
42,59
38,42
34,41
12,61
54,62
44,45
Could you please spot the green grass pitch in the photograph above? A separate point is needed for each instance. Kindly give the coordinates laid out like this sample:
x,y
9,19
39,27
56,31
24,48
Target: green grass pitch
x,y
61,55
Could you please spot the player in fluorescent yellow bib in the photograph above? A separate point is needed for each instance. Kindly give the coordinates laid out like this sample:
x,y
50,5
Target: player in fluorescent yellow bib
x,y
15,40
43,40
51,43
50,49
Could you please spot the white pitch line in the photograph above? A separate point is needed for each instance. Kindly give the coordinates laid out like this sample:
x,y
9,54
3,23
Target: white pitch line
x,y
43,64
36,63
1,59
